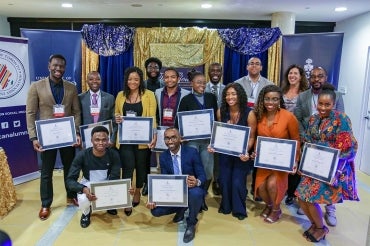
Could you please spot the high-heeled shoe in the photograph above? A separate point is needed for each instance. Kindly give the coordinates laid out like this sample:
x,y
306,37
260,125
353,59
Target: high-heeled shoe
x,y
128,212
309,230
324,230
274,216
134,204
266,211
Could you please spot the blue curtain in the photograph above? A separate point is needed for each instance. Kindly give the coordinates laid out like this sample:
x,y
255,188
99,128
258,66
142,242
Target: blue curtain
x,y
112,69
235,64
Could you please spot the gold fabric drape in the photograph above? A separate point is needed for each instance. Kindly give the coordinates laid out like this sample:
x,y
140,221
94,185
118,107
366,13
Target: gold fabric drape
x,y
8,197
274,62
90,62
213,46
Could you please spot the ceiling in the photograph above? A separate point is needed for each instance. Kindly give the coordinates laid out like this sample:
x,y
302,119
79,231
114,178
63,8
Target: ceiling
x,y
305,10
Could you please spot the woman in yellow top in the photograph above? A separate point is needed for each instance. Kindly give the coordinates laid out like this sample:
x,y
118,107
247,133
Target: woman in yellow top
x,y
135,100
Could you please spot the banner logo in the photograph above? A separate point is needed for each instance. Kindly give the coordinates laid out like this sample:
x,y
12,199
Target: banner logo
x,y
12,75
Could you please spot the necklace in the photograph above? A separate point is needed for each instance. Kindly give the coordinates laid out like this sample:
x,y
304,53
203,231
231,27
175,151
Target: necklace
x,y
234,118
129,98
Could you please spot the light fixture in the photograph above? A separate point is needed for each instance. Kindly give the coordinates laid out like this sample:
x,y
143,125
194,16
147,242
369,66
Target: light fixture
x,y
67,5
206,5
340,9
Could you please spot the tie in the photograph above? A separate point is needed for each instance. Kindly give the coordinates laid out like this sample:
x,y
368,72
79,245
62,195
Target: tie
x,y
95,104
176,168
214,90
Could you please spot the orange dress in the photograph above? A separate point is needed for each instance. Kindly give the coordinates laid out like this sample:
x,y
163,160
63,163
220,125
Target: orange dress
x,y
285,126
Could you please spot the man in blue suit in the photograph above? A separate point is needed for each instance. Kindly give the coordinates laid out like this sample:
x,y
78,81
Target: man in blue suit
x,y
103,109
179,159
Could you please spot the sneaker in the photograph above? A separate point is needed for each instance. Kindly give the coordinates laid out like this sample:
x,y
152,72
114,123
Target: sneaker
x,y
300,211
289,200
330,218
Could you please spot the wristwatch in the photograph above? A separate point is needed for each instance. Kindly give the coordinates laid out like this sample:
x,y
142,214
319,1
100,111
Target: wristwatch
x,y
199,183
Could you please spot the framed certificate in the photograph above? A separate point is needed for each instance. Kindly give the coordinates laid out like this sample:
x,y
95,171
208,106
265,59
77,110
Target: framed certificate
x,y
160,145
111,194
168,190
229,139
56,133
275,153
319,162
85,131
196,124
136,130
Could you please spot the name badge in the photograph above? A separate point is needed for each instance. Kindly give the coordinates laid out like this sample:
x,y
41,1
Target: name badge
x,y
168,114
131,113
58,110
250,102
94,111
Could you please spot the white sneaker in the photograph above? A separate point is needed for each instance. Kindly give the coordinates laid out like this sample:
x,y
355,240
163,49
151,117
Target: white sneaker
x,y
300,211
330,218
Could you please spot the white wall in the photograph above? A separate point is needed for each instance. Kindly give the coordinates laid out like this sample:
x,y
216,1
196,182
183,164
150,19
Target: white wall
x,y
353,68
4,26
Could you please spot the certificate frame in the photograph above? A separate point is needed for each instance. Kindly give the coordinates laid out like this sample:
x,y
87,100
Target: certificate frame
x,y
135,124
264,147
224,134
327,174
103,188
65,126
85,131
200,133
160,146
154,182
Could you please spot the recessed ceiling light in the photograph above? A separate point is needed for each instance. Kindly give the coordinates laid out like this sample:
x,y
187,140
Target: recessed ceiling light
x,y
340,9
67,5
206,5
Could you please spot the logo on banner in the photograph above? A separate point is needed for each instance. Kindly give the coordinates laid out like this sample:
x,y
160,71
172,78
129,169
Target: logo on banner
x,y
308,67
12,75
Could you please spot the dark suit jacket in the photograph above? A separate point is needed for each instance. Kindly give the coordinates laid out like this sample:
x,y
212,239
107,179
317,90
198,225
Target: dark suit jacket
x,y
191,163
106,110
40,103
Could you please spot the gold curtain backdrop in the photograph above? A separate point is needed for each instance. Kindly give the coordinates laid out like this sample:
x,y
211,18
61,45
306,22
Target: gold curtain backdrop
x,y
178,55
90,62
8,197
274,62
213,47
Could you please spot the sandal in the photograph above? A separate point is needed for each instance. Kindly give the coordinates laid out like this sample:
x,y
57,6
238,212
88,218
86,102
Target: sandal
x,y
274,216
324,230
266,211
309,230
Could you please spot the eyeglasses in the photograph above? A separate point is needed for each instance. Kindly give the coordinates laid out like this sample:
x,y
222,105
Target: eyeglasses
x,y
153,68
319,76
254,64
173,138
274,99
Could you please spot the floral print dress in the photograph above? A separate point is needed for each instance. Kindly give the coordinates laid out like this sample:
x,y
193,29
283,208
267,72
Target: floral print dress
x,y
335,131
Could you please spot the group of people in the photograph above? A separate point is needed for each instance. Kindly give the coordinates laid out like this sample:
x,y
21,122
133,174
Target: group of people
x,y
294,112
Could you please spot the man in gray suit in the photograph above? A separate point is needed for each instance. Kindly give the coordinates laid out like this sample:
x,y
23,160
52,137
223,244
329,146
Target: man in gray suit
x,y
307,106
216,87
49,98
97,105
253,82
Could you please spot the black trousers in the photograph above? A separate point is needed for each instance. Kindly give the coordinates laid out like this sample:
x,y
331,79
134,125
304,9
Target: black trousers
x,y
48,158
293,182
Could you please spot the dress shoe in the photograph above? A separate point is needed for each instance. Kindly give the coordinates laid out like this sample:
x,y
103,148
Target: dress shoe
x,y
85,220
216,188
72,202
240,216
44,213
112,211
222,211
179,216
189,234
204,206
128,211
144,190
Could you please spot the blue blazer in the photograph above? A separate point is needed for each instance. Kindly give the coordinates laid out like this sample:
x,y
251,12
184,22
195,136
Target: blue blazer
x,y
191,163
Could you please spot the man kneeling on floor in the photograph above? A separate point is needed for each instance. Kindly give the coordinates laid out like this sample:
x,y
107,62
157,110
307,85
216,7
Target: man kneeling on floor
x,y
182,160
98,163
